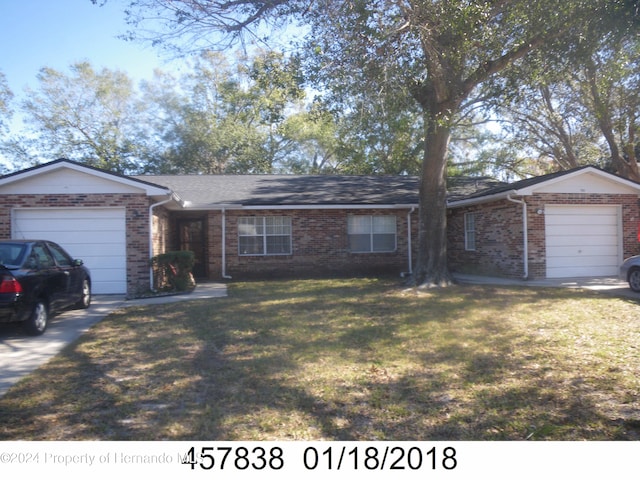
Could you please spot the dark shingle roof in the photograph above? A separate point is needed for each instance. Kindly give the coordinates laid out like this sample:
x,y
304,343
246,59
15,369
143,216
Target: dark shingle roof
x,y
459,188
501,187
288,190
285,190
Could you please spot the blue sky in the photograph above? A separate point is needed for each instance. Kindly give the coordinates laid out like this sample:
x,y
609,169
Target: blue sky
x,y
57,33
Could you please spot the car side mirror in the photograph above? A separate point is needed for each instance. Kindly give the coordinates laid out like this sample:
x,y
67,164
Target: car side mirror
x,y
78,263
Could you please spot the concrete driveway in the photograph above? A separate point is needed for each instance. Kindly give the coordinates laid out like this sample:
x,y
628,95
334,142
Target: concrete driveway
x,y
20,354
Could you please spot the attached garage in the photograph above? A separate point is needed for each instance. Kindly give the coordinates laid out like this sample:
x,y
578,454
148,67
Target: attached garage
x,y
95,235
583,240
99,217
576,223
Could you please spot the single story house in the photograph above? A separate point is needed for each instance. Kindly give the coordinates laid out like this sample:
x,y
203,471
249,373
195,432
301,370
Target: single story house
x,y
577,223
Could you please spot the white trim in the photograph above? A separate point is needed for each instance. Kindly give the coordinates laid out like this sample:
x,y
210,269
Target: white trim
x,y
409,243
530,190
561,178
224,245
468,245
265,236
480,200
330,207
149,189
304,207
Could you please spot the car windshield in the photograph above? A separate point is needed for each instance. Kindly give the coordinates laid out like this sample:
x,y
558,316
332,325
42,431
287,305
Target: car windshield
x,y
12,254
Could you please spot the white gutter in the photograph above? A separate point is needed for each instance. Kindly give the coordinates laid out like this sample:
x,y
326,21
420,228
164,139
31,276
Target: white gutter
x,y
410,247
151,207
525,233
304,207
479,200
224,245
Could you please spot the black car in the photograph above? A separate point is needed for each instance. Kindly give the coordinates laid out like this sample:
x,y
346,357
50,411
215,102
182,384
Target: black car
x,y
38,278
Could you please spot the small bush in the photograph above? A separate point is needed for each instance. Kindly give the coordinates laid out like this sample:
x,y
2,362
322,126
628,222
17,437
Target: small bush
x,y
172,271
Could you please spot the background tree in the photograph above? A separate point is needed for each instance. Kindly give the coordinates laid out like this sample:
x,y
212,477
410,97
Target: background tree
x,y
437,51
579,110
6,95
6,112
87,116
610,90
548,122
228,118
379,134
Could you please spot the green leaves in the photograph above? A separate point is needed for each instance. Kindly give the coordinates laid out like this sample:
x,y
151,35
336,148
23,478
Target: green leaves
x,y
86,115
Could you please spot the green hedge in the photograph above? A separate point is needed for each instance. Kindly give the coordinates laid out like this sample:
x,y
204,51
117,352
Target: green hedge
x,y
173,271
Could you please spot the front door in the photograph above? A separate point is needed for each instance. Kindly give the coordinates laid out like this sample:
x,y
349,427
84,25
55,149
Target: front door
x,y
192,238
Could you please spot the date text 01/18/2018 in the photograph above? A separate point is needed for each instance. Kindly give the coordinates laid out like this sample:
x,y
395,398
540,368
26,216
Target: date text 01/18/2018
x,y
330,458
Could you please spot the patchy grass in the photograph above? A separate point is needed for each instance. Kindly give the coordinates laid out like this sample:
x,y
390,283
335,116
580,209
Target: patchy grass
x,y
360,359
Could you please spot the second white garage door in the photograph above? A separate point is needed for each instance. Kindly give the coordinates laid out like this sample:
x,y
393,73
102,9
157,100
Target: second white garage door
x,y
583,240
95,235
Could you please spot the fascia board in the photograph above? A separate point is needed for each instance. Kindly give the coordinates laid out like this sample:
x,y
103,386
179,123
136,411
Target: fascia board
x,y
588,170
150,189
489,198
299,207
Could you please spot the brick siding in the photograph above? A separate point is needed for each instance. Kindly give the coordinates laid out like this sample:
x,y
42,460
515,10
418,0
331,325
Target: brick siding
x,y
499,236
499,240
319,245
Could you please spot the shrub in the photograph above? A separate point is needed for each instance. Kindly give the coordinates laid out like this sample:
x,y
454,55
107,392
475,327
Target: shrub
x,y
172,271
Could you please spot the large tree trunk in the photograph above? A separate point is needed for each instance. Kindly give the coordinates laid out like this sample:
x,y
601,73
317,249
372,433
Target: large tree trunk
x,y
431,268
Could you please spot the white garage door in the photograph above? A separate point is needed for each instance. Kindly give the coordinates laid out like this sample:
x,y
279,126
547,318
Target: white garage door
x,y
583,240
95,235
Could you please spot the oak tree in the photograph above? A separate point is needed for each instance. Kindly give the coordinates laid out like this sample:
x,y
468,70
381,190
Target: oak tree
x,y
435,51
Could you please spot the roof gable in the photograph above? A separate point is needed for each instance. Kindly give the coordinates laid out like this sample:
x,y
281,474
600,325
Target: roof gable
x,y
583,180
67,177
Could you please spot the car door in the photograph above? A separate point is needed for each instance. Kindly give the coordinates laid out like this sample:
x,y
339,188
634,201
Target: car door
x,y
52,281
73,273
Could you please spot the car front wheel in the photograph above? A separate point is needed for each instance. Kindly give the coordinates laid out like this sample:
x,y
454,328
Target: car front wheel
x,y
37,322
85,298
634,279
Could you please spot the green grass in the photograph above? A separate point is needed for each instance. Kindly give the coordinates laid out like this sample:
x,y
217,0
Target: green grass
x,y
354,359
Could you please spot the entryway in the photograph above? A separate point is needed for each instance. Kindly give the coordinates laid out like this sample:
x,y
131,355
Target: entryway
x,y
192,237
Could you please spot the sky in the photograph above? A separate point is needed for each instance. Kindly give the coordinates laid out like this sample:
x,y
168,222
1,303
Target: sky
x,y
57,33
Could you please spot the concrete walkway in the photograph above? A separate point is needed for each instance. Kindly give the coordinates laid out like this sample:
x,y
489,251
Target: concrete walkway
x,y
609,285
20,354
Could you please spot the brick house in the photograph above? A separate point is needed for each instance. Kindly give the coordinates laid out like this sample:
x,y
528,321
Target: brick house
x,y
241,226
576,223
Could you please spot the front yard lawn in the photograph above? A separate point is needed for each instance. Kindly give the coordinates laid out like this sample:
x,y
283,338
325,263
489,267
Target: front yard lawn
x,y
349,359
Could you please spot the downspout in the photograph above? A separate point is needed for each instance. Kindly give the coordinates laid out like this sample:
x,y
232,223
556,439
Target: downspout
x,y
525,234
151,235
409,272
224,245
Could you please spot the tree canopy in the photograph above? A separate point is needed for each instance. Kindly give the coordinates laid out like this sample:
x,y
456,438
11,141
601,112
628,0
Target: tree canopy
x,y
437,53
396,81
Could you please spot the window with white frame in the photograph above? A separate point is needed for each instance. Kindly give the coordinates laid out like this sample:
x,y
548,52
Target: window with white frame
x,y
372,233
264,235
469,231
